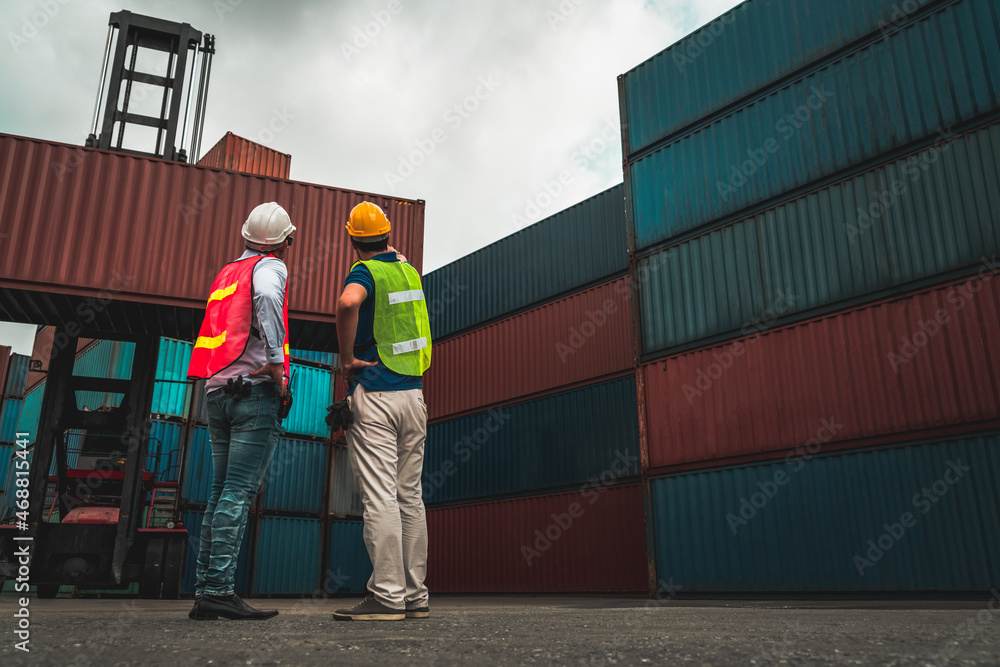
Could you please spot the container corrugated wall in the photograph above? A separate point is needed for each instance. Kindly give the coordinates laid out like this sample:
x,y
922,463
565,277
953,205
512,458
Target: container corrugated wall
x,y
197,483
577,338
287,556
6,457
524,268
5,351
294,480
235,153
917,518
349,567
164,458
10,414
172,389
556,441
312,390
702,177
31,411
17,375
145,200
926,361
344,497
716,65
580,542
192,521
325,358
817,251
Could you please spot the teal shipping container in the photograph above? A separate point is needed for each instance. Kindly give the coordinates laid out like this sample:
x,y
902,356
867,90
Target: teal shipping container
x,y
6,461
288,551
294,480
172,391
916,518
10,414
350,567
588,435
887,229
577,247
196,485
192,521
330,359
164,453
31,411
912,88
739,54
344,497
312,390
17,375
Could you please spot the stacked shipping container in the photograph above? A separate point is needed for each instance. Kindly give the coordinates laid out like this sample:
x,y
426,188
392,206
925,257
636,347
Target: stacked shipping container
x,y
814,250
532,444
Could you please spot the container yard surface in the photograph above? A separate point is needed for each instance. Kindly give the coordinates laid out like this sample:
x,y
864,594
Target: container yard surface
x,y
521,630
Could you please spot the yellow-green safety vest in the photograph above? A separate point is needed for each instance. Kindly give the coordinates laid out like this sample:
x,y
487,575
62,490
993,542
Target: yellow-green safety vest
x,y
401,327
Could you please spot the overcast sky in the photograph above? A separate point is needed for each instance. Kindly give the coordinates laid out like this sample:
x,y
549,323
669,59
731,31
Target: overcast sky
x,y
474,107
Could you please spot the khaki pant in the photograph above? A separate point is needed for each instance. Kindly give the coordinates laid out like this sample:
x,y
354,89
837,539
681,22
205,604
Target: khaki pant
x,y
386,446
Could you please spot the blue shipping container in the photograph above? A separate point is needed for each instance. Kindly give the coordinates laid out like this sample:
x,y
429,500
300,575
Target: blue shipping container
x,y
876,231
287,557
716,66
561,440
164,455
579,246
313,393
866,104
192,521
31,411
17,375
350,567
197,483
911,518
172,389
295,478
10,414
326,358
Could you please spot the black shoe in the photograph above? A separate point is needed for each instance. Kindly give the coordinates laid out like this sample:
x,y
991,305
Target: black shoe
x,y
418,612
232,607
369,609
194,609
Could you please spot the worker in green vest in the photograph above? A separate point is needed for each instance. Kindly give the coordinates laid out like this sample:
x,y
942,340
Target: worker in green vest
x,y
385,347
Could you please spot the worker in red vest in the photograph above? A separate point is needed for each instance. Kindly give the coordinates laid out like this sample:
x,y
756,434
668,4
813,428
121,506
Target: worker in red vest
x,y
242,353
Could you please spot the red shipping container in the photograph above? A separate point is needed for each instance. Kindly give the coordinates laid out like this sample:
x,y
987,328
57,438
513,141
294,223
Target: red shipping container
x,y
922,363
235,153
156,231
581,541
578,338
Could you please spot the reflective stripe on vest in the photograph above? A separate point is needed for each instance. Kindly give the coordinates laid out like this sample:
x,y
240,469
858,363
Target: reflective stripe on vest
x,y
401,327
228,316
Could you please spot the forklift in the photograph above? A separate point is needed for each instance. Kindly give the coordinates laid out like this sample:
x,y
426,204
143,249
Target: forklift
x,y
107,522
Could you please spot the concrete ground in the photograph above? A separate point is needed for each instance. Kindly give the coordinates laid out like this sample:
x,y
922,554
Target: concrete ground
x,y
515,630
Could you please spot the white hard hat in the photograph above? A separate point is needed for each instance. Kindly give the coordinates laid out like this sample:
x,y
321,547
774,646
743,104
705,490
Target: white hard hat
x,y
267,226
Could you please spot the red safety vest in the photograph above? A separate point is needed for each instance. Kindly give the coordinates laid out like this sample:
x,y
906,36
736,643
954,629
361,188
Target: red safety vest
x,y
226,327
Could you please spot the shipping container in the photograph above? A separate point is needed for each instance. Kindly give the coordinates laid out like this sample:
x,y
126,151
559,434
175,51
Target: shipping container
x,y
578,338
911,518
294,480
164,453
17,375
5,352
930,360
287,557
580,542
344,497
817,252
199,403
724,61
562,440
330,359
235,153
196,485
350,567
865,104
6,459
134,255
10,414
192,521
31,412
312,390
172,390
575,248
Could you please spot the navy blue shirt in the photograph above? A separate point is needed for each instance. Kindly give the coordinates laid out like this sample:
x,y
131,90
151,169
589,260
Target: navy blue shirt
x,y
375,378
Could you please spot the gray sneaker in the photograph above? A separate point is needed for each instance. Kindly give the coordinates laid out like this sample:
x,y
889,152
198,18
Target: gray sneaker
x,y
418,612
369,609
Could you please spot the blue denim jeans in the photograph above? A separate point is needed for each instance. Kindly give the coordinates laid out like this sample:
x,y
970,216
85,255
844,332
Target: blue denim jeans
x,y
244,434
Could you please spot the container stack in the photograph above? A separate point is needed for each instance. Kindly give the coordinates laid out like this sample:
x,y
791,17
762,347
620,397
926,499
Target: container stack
x,y
814,242
532,452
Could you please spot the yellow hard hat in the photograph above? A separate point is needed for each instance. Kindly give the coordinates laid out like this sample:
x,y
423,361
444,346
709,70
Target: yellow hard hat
x,y
368,222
